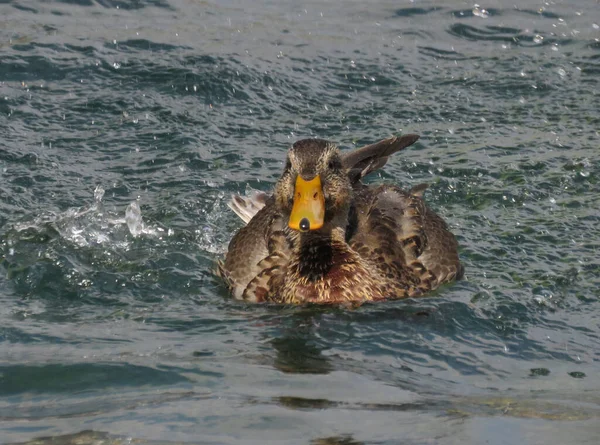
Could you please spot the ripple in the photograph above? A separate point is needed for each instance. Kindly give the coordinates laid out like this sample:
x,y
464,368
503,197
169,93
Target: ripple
x,y
19,379
410,12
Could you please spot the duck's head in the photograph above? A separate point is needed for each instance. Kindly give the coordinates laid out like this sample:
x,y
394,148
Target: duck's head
x,y
314,189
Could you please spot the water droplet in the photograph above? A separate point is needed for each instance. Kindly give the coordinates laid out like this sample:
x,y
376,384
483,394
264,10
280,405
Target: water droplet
x,y
480,12
116,65
538,39
561,72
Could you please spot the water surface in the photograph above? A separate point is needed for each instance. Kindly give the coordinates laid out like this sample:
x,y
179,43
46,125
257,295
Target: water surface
x,y
174,105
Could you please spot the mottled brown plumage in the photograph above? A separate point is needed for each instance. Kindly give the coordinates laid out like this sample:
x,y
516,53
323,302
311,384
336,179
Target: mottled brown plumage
x,y
376,242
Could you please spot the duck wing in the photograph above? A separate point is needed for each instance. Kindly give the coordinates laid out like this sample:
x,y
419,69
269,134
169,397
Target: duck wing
x,y
362,161
254,249
405,240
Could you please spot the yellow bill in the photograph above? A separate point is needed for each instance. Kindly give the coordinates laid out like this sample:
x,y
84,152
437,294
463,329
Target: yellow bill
x,y
308,211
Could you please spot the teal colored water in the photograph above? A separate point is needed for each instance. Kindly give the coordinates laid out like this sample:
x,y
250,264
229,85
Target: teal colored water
x,y
107,337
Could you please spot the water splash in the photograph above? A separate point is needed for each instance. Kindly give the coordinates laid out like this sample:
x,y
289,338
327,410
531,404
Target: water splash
x,y
133,218
82,248
98,194
210,236
91,225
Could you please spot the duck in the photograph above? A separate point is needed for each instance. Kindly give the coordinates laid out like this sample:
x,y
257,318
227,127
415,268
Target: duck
x,y
323,236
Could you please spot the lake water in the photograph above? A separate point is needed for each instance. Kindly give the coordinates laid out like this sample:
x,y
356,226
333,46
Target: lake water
x,y
108,107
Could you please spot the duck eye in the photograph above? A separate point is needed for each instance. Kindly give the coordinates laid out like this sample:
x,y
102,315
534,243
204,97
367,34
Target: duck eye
x,y
331,165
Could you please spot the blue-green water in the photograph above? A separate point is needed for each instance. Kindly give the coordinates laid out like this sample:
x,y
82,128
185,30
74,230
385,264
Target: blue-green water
x,y
177,104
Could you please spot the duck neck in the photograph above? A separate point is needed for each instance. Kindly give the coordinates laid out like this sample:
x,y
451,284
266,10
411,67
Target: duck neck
x,y
318,251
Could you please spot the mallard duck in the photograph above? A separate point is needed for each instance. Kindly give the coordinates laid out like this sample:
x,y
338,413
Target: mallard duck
x,y
325,237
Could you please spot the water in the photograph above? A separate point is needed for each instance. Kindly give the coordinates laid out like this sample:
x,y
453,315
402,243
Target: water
x,y
124,128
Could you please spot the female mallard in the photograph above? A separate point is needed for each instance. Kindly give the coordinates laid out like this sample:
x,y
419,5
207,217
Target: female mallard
x,y
325,237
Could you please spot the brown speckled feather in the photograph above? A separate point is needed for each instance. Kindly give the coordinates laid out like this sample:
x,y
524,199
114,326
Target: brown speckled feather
x,y
248,248
405,239
347,280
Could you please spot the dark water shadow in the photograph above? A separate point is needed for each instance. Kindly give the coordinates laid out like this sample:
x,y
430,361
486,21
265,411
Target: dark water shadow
x,y
131,5
17,379
307,332
297,355
296,350
411,12
336,440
